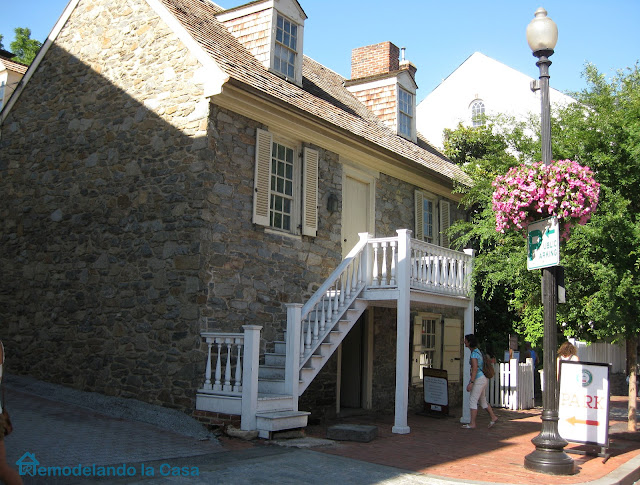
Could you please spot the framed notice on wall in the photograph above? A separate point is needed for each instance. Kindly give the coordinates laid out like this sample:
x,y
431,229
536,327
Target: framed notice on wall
x,y
583,404
436,391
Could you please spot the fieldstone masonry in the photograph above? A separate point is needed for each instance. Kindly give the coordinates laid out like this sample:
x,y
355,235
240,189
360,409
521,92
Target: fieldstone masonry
x,y
126,228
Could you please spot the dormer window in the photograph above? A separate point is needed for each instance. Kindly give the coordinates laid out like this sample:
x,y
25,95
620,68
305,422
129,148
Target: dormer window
x,y
273,31
285,52
405,113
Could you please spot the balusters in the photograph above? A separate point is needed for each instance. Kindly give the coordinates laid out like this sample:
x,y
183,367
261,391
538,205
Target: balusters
x,y
384,265
343,292
346,278
302,337
375,275
319,321
227,371
237,387
232,345
307,339
316,331
323,313
392,281
336,300
207,374
217,386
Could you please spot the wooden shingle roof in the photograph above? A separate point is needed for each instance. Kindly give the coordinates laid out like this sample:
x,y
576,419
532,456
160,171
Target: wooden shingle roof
x,y
322,94
13,66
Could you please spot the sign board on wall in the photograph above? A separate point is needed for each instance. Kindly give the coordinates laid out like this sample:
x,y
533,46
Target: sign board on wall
x,y
436,391
583,405
543,244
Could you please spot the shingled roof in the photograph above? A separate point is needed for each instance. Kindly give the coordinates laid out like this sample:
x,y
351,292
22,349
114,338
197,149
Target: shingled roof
x,y
322,94
13,65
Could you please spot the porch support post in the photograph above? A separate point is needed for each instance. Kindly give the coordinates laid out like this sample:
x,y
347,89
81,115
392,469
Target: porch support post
x,y
292,362
250,376
402,343
469,326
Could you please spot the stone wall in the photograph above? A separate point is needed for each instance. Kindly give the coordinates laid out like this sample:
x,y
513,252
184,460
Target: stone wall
x,y
252,271
384,357
104,164
126,209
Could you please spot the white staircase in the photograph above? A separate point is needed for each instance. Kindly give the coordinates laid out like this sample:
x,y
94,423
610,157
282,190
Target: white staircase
x,y
266,395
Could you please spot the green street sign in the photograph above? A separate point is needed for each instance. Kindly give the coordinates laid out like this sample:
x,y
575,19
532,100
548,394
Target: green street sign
x,y
543,244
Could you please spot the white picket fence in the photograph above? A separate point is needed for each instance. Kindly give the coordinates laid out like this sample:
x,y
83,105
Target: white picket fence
x,y
512,385
603,352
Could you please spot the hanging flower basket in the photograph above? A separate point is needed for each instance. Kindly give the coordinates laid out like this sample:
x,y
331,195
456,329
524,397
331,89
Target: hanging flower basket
x,y
527,193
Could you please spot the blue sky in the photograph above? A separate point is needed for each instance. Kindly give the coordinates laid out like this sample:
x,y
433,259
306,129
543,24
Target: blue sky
x,y
438,35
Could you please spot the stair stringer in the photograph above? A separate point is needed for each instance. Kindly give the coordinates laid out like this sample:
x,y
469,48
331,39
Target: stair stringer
x,y
330,343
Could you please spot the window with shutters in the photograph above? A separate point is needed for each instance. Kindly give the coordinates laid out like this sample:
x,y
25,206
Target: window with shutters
x,y
432,218
281,203
285,185
427,345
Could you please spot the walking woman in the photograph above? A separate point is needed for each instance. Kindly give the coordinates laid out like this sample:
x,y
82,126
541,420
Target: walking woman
x,y
8,475
477,383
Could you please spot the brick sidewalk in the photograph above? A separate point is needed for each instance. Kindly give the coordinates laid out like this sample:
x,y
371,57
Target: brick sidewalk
x,y
441,447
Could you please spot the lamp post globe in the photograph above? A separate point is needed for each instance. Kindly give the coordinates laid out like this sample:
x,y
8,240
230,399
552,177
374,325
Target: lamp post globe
x,y
542,32
549,456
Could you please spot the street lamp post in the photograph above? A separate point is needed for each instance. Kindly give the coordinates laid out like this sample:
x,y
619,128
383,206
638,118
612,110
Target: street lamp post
x,y
549,456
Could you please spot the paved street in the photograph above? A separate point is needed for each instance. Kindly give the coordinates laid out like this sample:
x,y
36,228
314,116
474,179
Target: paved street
x,y
86,435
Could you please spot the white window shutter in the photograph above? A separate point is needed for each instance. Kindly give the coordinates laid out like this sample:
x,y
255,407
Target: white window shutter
x,y
445,222
310,195
419,215
262,178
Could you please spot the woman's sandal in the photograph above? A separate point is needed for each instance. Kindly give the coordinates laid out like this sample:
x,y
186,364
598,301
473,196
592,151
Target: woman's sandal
x,y
492,423
466,426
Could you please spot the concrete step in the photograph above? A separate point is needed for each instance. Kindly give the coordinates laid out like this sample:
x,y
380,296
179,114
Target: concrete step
x,y
274,402
275,358
271,372
271,386
267,423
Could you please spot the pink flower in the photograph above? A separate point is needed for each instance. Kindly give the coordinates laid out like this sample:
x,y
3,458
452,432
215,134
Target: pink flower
x,y
563,188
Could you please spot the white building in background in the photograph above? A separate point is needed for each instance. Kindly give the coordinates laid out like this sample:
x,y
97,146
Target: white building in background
x,y
11,73
480,85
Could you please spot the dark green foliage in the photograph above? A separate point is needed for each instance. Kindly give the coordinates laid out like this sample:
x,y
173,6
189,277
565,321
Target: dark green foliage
x,y
24,47
602,259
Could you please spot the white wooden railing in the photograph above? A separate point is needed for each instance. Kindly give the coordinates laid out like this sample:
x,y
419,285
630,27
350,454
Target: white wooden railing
x,y
373,264
225,349
440,270
512,385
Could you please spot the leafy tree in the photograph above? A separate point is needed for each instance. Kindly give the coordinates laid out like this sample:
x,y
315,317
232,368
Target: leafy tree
x,y
1,46
602,259
24,47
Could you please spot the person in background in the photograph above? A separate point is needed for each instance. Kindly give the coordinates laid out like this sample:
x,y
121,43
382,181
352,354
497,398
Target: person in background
x,y
477,383
530,353
7,474
567,351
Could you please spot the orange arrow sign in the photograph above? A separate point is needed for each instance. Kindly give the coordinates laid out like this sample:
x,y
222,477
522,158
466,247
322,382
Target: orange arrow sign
x,y
588,422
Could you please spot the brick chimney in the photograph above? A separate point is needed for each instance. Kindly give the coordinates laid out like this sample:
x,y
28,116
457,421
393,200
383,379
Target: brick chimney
x,y
379,79
374,59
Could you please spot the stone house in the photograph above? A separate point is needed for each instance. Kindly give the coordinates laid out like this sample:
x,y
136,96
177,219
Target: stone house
x,y
479,86
196,215
11,73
